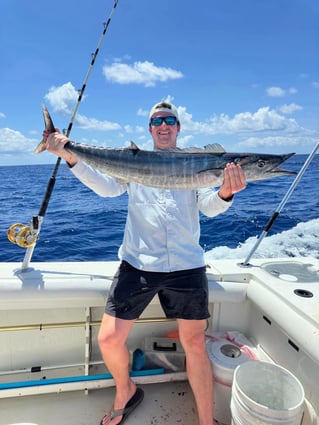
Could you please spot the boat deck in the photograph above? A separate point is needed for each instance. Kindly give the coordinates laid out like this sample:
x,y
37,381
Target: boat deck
x,y
50,315
165,403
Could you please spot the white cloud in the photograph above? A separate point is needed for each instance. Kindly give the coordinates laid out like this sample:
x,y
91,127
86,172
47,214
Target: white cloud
x,y
263,120
142,112
275,91
130,129
292,90
184,141
315,84
280,92
290,109
276,141
14,141
145,73
185,117
2,115
33,132
63,98
94,124
140,129
145,144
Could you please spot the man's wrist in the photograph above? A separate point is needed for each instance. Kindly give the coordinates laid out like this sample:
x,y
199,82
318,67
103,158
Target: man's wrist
x,y
225,198
70,159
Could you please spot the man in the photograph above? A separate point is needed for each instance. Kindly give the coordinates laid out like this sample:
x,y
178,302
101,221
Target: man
x,y
160,254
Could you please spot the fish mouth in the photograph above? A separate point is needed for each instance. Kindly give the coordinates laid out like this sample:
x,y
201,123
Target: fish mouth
x,y
280,170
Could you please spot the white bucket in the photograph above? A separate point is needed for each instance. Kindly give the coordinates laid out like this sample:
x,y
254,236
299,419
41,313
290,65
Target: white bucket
x,y
264,393
225,357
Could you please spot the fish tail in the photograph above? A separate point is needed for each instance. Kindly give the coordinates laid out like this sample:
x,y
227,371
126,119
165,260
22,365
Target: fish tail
x,y
49,128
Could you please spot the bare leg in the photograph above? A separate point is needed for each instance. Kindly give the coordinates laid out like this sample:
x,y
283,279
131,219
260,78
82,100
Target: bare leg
x,y
199,368
112,341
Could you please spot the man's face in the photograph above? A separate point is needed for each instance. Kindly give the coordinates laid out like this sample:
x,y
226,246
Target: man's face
x,y
164,135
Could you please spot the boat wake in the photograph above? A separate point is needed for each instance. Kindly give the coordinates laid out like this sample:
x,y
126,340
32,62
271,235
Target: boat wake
x,y
302,240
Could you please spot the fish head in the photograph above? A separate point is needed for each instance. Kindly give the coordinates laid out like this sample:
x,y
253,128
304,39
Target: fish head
x,y
48,127
262,166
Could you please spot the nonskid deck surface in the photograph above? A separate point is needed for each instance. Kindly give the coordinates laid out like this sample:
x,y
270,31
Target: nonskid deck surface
x,y
163,404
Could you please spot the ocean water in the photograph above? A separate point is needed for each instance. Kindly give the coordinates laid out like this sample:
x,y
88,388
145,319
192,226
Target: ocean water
x,y
81,226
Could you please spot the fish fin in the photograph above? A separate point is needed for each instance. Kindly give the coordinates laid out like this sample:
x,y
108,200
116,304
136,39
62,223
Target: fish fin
x,y
214,147
134,146
41,146
48,126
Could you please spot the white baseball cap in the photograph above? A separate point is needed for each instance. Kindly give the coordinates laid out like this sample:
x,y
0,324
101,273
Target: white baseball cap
x,y
164,107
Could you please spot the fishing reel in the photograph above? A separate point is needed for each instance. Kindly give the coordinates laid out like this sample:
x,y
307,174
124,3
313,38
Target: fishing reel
x,y
22,235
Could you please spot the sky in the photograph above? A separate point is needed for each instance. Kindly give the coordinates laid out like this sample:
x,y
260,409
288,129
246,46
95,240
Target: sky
x,y
242,73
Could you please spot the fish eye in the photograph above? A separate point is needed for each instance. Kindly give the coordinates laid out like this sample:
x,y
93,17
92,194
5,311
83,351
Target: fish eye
x,y
261,163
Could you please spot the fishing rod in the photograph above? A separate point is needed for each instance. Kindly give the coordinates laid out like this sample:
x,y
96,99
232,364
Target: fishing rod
x,y
281,205
25,236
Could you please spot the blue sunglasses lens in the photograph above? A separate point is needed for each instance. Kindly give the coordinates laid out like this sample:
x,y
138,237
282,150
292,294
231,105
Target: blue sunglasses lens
x,y
157,121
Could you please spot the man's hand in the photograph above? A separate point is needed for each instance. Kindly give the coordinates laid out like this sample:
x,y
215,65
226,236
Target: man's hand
x,y
234,181
55,144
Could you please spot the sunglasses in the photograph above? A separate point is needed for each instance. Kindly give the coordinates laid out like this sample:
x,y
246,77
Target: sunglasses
x,y
157,121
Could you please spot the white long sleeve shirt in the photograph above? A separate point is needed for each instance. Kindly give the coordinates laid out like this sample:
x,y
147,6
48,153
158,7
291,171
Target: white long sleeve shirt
x,y
162,228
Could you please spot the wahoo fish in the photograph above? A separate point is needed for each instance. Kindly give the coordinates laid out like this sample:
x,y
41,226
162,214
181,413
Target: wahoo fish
x,y
190,168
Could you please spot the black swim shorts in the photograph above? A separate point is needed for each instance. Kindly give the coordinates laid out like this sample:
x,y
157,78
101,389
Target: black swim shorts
x,y
182,294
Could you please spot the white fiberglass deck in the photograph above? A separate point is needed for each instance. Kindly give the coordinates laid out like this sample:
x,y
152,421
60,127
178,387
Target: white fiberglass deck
x,y
49,318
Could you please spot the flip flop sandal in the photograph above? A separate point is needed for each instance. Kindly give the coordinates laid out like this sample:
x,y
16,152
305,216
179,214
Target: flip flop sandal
x,y
129,407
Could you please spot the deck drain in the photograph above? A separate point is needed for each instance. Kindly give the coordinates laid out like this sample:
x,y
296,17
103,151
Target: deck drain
x,y
303,293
